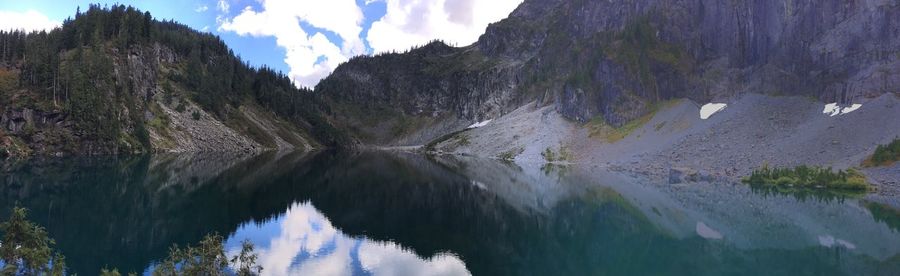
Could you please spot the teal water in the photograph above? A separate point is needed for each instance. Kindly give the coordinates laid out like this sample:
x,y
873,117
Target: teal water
x,y
402,214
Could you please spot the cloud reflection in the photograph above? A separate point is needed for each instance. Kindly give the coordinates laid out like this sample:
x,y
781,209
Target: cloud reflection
x,y
308,244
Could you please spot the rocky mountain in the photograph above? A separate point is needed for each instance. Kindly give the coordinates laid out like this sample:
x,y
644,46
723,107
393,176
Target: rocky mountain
x,y
114,80
614,61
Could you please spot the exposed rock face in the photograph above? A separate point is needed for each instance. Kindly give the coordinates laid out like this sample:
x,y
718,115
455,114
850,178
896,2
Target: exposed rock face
x,y
616,59
173,125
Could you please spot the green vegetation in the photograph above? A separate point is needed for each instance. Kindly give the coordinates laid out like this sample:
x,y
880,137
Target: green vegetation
x,y
885,155
599,128
70,70
510,154
463,140
208,258
26,249
8,82
432,146
884,213
562,155
804,177
639,49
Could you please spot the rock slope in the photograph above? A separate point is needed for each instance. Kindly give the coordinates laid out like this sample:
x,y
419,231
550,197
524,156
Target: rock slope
x,y
114,80
615,60
752,130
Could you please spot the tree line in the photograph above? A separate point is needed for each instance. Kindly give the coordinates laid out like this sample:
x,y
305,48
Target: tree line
x,y
70,68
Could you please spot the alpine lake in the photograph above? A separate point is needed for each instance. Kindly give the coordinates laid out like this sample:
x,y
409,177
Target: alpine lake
x,y
380,213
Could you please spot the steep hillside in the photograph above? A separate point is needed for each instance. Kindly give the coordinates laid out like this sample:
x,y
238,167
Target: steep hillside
x,y
613,61
113,80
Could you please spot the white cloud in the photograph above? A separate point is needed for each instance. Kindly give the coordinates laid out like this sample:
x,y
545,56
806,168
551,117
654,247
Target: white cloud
x,y
306,231
310,57
202,8
223,6
28,21
411,23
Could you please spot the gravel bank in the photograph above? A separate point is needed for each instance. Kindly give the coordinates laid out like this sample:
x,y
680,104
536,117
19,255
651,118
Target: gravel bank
x,y
753,130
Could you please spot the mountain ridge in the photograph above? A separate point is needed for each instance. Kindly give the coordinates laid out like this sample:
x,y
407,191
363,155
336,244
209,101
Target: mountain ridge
x,y
614,60
115,80
594,62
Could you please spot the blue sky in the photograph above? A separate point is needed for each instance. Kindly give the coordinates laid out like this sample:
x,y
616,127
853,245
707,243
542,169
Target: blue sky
x,y
306,39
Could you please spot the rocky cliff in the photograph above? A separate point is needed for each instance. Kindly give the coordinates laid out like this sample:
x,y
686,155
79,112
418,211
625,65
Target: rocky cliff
x,y
155,115
615,60
113,80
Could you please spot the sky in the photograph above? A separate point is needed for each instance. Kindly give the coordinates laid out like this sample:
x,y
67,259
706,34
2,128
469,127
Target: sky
x,y
305,39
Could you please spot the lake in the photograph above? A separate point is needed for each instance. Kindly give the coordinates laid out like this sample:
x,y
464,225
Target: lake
x,y
340,213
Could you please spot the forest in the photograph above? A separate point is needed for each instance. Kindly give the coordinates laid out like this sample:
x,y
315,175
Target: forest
x,y
71,70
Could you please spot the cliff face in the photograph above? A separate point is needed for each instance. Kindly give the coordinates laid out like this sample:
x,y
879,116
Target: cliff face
x,y
113,80
616,59
150,113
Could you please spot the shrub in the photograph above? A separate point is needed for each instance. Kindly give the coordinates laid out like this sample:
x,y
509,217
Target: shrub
x,y
26,249
463,140
208,258
885,155
549,155
195,115
510,154
246,260
805,177
559,156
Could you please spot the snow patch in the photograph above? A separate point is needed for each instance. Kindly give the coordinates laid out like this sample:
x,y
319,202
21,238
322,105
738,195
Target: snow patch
x,y
706,232
851,108
479,124
829,241
479,185
833,109
711,108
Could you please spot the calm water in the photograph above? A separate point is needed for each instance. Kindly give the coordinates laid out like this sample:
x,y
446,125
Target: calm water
x,y
398,214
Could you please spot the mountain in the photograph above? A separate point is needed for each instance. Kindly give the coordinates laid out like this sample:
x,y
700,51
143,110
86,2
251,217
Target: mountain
x,y
613,62
114,80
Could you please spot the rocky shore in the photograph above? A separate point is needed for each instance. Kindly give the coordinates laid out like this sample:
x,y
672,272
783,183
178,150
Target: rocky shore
x,y
676,146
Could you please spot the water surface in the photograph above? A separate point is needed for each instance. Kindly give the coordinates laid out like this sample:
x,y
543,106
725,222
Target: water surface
x,y
389,214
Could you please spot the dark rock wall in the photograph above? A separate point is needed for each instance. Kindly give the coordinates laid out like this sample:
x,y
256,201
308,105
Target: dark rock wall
x,y
616,59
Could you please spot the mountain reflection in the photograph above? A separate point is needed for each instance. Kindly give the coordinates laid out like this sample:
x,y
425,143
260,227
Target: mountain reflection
x,y
351,213
306,243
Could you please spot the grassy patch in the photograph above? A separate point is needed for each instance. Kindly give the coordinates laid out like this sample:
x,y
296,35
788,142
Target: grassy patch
x,y
510,154
11,146
160,122
885,155
638,48
246,126
563,154
463,140
432,146
806,178
598,128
